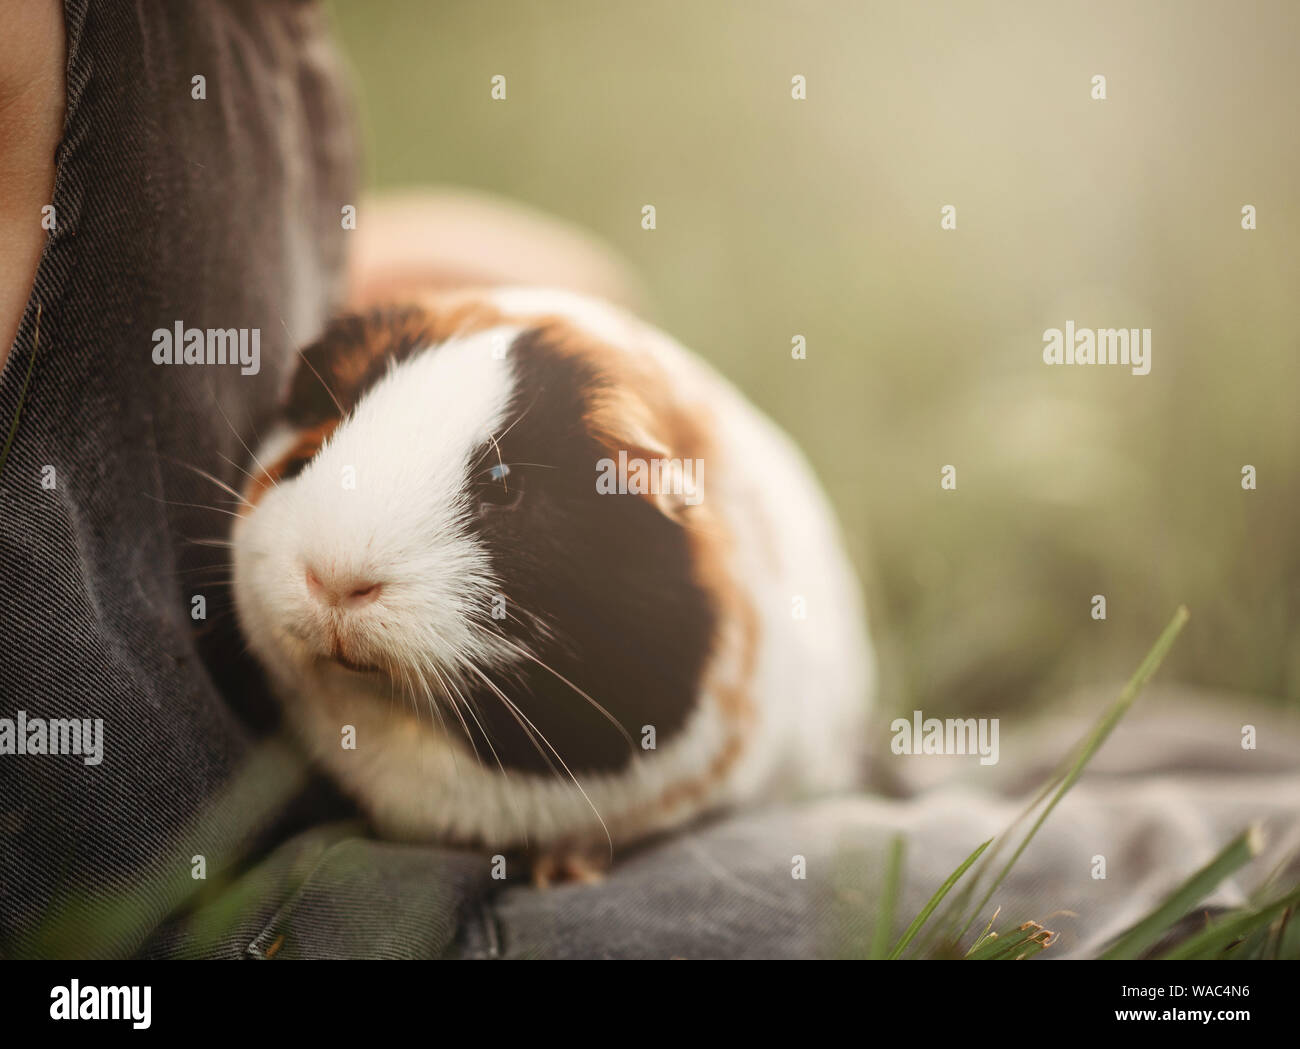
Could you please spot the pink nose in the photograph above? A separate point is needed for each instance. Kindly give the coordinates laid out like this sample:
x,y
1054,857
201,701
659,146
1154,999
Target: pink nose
x,y
341,589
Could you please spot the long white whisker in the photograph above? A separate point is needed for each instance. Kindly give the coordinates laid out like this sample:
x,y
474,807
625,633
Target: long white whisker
x,y
209,477
221,543
517,421
510,709
303,357
455,764
246,473
510,790
608,716
192,506
250,452
455,709
586,797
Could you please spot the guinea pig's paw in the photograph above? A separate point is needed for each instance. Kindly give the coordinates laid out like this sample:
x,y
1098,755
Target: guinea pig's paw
x,y
568,864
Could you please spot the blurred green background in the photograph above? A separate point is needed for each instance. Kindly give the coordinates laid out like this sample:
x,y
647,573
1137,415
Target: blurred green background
x,y
821,217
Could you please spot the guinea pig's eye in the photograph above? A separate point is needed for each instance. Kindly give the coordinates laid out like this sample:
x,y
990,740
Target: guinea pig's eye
x,y
499,487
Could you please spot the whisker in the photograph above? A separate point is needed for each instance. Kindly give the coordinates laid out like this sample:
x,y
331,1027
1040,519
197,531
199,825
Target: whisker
x,y
206,583
510,790
517,421
202,568
550,764
409,690
250,476
207,476
303,357
192,506
586,797
222,543
217,404
443,722
455,709
608,716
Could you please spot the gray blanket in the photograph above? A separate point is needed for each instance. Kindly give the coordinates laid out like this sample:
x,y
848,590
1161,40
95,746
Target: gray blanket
x,y
1168,790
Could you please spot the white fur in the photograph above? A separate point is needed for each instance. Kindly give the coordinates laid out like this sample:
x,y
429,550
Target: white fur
x,y
402,525
815,676
409,440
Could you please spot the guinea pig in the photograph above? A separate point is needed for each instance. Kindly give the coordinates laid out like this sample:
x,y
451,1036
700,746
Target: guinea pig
x,y
527,574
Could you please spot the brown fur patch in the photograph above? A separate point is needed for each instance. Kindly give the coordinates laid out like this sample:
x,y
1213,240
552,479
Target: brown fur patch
x,y
638,411
308,444
337,369
740,620
642,414
355,350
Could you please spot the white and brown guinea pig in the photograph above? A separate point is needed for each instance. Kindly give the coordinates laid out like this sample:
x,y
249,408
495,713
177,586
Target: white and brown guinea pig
x,y
431,553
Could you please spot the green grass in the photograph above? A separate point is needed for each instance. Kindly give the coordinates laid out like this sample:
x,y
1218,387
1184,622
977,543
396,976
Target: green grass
x,y
935,900
1264,929
888,898
1151,929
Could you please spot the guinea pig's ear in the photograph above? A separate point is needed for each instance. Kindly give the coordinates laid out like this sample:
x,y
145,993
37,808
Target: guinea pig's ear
x,y
658,452
350,355
355,350
331,371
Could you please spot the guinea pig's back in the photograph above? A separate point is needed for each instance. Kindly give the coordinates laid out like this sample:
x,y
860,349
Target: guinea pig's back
x,y
814,672
813,667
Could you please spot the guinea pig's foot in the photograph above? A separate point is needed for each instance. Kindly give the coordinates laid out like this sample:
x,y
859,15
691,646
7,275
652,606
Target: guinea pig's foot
x,y
562,865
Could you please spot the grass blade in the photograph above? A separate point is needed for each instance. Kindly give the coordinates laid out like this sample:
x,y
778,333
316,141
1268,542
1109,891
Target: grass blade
x,y
1236,854
986,936
1093,743
1212,940
888,899
935,900
1018,941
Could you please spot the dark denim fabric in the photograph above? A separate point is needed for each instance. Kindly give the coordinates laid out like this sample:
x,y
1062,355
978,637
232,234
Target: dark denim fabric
x,y
221,212
1160,799
728,891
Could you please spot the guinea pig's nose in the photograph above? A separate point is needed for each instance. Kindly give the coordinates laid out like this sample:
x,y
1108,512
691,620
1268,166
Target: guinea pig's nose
x,y
341,589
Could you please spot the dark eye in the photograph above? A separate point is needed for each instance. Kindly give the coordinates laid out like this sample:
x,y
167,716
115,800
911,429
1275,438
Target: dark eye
x,y
499,487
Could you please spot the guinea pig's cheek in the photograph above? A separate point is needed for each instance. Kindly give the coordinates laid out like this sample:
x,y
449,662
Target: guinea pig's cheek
x,y
239,530
255,585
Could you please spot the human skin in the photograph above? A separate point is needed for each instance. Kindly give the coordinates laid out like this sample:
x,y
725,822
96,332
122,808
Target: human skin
x,y
31,121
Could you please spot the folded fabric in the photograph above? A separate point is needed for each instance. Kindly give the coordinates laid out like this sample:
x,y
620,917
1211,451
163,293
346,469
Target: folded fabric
x,y
1168,790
